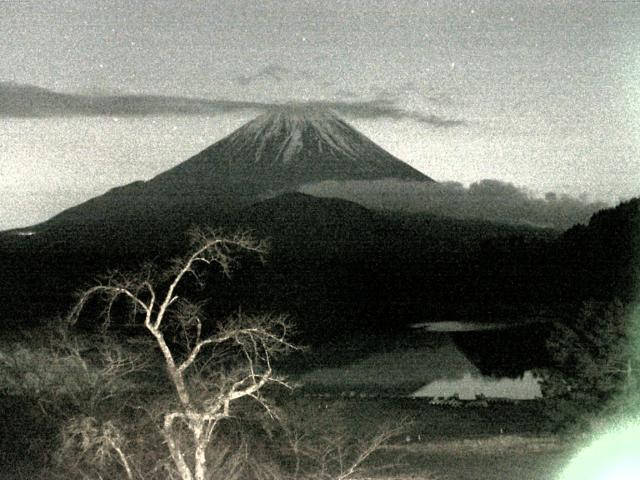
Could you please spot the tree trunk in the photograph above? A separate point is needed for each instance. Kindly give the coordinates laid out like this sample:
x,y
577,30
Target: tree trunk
x,y
176,453
200,455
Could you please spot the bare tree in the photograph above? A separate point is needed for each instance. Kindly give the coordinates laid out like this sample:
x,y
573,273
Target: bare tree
x,y
202,365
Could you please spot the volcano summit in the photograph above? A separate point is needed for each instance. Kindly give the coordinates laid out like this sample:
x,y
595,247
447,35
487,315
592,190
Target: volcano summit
x,y
286,148
278,151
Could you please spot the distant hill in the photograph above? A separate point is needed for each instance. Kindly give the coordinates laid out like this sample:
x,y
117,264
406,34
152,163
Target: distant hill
x,y
331,260
598,261
601,260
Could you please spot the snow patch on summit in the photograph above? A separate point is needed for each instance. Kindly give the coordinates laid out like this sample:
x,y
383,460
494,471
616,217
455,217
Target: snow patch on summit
x,y
282,150
338,142
331,133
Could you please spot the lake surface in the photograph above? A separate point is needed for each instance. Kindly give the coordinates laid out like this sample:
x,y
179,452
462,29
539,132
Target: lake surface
x,y
436,368
455,326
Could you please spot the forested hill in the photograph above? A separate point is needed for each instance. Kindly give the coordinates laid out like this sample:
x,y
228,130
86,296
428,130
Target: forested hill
x,y
336,266
603,257
338,252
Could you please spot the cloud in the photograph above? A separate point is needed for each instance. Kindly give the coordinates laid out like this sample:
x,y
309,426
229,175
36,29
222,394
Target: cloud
x,y
272,71
343,93
492,200
383,108
401,90
409,87
18,100
24,101
384,93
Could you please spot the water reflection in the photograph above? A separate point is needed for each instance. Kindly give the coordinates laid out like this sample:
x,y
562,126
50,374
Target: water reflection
x,y
467,387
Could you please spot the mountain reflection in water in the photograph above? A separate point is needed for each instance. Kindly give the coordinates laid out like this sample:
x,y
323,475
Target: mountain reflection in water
x,y
469,385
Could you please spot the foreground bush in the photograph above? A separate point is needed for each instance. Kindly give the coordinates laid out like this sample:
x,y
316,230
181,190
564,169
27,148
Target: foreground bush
x,y
595,369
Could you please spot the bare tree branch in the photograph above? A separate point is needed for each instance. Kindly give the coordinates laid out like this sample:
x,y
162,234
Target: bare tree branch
x,y
256,338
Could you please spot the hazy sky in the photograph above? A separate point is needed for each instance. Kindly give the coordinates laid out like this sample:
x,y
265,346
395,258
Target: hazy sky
x,y
542,94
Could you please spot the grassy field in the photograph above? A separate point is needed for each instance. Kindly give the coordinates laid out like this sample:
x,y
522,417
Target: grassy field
x,y
504,441
437,443
491,459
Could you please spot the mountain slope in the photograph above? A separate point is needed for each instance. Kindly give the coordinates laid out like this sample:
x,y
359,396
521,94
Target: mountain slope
x,y
278,151
285,149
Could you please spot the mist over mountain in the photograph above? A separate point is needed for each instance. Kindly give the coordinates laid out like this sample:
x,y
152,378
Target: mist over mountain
x,y
491,200
30,101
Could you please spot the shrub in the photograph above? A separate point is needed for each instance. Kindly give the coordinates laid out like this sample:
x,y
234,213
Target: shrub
x,y
595,365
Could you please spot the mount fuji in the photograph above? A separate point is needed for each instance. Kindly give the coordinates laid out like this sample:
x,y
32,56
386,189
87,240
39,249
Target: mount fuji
x,y
286,148
277,152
